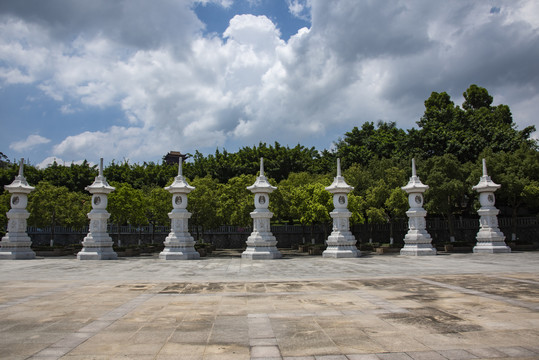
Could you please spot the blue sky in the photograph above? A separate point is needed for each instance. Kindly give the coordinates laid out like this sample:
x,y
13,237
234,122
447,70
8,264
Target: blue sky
x,y
134,80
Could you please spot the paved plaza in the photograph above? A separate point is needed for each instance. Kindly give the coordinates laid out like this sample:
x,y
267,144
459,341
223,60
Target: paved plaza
x,y
450,306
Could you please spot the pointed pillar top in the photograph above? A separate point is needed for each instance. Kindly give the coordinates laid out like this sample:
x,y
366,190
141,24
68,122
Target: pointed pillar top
x,y
414,173
484,168
261,166
21,167
180,166
101,167
338,167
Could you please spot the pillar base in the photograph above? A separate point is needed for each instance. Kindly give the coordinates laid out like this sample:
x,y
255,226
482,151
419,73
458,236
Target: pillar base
x,y
261,253
16,246
418,250
179,253
101,253
17,254
97,250
341,251
491,248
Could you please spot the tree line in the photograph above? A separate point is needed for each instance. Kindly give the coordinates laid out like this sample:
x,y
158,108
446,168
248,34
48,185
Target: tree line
x,y
448,145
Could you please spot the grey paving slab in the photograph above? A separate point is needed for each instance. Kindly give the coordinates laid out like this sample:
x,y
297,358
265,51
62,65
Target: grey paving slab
x,y
394,356
487,353
517,351
369,308
425,355
457,354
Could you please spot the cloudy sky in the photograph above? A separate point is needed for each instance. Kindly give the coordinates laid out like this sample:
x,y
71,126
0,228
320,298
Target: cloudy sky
x,y
133,79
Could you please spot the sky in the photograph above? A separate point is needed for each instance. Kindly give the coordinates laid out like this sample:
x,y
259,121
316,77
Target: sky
x,y
134,79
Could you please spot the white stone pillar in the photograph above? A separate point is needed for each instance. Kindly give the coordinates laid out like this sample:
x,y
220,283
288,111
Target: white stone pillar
x,y
16,244
489,238
179,244
97,245
261,244
417,241
341,243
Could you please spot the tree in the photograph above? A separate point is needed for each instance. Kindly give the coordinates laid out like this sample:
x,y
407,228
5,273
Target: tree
x,y
4,161
360,146
51,205
518,174
236,202
74,177
158,204
127,206
204,204
448,190
314,204
287,200
465,132
5,198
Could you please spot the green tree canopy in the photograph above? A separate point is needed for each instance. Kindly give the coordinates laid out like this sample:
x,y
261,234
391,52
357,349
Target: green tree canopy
x,y
465,132
360,146
204,203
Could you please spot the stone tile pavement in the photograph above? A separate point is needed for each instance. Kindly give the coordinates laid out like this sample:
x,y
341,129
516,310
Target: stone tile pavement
x,y
458,306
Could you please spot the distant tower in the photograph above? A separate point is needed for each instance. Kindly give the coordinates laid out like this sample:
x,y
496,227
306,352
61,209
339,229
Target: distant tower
x,y
489,238
417,241
261,243
97,245
341,243
16,244
173,157
179,244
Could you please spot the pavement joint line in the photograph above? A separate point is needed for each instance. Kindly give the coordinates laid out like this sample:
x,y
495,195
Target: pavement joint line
x,y
514,302
71,341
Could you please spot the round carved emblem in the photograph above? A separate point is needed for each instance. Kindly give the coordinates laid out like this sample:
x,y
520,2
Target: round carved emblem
x,y
491,198
15,200
262,200
418,199
342,200
178,200
97,200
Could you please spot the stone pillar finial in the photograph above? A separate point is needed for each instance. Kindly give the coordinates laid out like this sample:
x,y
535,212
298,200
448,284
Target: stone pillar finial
x,y
338,167
261,166
101,167
180,166
21,167
414,173
485,168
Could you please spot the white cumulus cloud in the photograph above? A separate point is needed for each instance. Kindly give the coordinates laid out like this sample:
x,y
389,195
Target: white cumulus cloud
x,y
30,142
